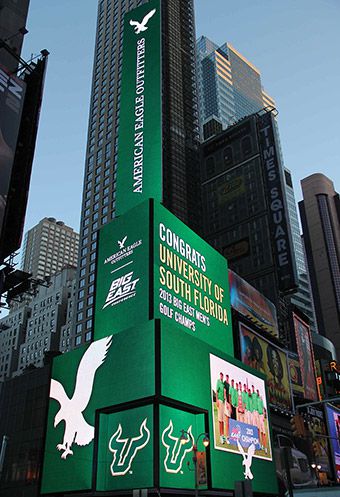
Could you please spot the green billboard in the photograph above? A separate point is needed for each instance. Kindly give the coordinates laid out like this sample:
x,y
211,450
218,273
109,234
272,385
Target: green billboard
x,y
119,406
125,457
190,371
122,287
176,458
139,172
150,265
92,377
191,286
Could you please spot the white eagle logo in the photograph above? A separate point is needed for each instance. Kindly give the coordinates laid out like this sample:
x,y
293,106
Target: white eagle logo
x,y
247,460
141,26
77,430
121,243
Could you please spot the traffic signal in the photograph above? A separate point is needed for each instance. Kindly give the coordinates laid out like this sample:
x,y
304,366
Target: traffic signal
x,y
298,426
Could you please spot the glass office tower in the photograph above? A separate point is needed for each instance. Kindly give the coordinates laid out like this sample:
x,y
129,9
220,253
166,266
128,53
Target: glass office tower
x,y
230,88
180,134
229,85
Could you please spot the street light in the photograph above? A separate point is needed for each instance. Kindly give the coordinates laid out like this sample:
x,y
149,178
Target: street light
x,y
206,441
316,468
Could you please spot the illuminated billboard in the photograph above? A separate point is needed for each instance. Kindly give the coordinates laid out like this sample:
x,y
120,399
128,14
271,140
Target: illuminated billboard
x,y
295,375
306,357
249,302
239,410
186,365
12,95
125,449
92,377
190,282
265,357
150,265
139,170
333,418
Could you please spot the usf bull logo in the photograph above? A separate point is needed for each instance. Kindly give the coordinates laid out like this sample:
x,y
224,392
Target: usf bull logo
x,y
124,450
175,450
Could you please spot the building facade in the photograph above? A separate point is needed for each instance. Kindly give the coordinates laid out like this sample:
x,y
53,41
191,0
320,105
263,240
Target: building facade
x,y
39,324
319,212
180,133
48,247
229,85
244,218
230,88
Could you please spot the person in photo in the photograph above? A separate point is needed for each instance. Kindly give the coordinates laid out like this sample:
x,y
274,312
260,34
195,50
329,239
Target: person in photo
x,y
220,398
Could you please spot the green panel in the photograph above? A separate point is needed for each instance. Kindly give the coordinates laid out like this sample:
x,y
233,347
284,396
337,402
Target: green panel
x,y
174,457
122,285
129,356
125,449
186,378
139,173
191,287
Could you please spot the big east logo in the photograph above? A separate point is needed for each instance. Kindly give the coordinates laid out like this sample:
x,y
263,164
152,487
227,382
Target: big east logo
x,y
236,433
121,289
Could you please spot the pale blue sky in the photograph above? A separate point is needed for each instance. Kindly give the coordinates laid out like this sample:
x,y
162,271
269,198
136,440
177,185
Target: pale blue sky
x,y
294,43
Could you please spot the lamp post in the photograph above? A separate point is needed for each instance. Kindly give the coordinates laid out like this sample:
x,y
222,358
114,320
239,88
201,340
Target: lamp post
x,y
205,441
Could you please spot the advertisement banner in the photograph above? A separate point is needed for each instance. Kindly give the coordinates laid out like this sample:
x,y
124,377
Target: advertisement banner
x,y
189,375
139,171
295,375
179,430
265,357
151,265
190,282
92,377
333,418
240,411
249,302
277,205
306,357
125,449
317,431
122,283
12,94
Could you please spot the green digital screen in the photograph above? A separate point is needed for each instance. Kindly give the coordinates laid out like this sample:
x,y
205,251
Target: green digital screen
x,y
186,377
191,287
125,449
122,284
109,371
190,278
176,458
139,172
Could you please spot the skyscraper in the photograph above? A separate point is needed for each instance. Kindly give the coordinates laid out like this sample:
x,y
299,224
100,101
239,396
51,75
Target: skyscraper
x,y
48,247
180,134
245,213
303,298
230,88
320,222
229,85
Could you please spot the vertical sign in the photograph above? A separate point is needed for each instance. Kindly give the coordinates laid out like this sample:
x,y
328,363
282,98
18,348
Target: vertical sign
x,y
12,92
139,172
278,211
306,357
122,285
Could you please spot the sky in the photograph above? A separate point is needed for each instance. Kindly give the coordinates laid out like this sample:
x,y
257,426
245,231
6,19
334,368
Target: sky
x,y
294,43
